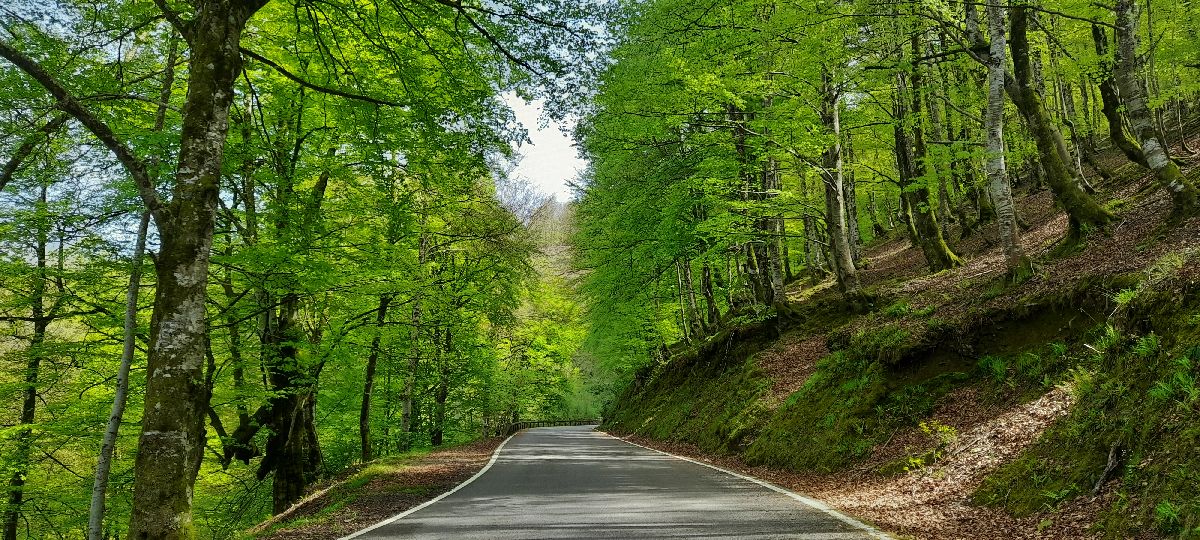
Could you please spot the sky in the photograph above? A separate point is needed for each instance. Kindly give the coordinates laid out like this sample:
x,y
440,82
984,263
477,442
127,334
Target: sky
x,y
550,160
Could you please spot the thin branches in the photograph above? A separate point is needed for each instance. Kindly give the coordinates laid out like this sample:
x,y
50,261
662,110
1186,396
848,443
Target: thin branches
x,y
313,86
67,102
26,149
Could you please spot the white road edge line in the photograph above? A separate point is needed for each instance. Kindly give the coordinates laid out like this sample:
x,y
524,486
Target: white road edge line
x,y
812,503
402,515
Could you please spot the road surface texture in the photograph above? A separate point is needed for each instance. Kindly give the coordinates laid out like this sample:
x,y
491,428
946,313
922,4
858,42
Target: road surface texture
x,y
573,482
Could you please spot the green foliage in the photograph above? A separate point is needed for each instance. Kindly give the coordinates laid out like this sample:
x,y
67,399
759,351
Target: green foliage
x,y
940,437
1146,346
1124,297
362,214
1137,402
898,309
995,366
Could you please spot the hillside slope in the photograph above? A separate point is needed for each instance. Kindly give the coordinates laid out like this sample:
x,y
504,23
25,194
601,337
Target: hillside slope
x,y
960,405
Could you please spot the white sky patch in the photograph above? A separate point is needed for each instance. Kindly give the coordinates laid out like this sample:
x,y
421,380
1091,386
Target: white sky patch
x,y
550,160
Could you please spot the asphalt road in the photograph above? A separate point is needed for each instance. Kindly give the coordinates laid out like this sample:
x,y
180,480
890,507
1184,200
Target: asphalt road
x,y
573,482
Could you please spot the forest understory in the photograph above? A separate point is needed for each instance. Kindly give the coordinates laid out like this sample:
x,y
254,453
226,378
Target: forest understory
x,y
960,404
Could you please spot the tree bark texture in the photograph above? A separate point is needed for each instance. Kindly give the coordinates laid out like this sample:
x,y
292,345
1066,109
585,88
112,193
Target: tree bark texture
x,y
998,187
1133,94
1083,212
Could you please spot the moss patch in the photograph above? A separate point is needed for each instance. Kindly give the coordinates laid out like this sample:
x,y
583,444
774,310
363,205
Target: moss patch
x,y
1138,399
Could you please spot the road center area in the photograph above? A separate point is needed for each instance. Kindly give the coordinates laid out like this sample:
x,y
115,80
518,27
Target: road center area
x,y
574,482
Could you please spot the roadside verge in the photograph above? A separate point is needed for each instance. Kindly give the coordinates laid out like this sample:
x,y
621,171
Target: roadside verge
x,y
378,491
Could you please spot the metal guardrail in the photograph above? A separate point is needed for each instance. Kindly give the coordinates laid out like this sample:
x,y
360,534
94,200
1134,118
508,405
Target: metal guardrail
x,y
518,426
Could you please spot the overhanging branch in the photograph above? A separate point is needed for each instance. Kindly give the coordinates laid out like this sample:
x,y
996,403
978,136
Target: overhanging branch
x,y
313,86
71,105
26,148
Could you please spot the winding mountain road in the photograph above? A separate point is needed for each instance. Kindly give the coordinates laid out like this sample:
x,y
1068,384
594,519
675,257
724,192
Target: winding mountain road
x,y
573,482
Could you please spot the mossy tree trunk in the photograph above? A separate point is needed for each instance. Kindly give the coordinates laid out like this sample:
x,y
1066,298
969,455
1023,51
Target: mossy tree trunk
x,y
1133,94
911,158
172,438
1111,102
1083,211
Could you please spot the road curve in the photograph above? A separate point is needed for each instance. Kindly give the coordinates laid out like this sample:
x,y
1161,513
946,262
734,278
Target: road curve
x,y
573,482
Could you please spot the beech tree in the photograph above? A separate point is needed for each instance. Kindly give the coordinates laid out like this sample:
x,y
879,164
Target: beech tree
x,y
731,115
234,53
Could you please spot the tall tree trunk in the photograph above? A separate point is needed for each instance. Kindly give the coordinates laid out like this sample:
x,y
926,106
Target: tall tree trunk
x,y
408,391
690,287
1084,149
129,337
293,451
1085,105
685,315
772,224
438,431
710,301
1133,94
1111,101
913,166
172,438
772,227
733,281
850,196
1083,212
364,414
288,453
960,158
835,204
788,275
756,266
997,175
33,364
945,216
414,356
814,253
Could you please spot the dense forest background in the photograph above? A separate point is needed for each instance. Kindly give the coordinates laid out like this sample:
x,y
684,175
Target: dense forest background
x,y
309,231
931,262
248,244
739,146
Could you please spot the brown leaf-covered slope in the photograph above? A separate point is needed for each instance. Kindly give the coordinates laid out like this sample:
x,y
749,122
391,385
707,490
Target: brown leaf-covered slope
x,y
933,501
